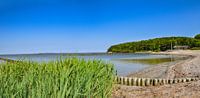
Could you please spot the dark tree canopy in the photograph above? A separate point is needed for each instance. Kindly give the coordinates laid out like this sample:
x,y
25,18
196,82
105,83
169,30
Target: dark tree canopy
x,y
197,36
157,44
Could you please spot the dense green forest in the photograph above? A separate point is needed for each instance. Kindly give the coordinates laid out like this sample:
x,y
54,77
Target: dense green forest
x,y
157,44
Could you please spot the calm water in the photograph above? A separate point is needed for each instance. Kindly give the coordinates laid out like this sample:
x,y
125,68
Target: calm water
x,y
124,63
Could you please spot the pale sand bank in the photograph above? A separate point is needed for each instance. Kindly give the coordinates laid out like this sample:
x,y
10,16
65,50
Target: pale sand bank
x,y
186,68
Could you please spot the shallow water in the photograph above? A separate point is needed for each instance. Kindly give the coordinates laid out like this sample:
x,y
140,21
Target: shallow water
x,y
151,61
124,63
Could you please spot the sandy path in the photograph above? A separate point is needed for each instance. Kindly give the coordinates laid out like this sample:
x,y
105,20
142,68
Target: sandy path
x,y
186,68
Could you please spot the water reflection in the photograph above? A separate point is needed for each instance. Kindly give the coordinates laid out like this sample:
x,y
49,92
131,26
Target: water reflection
x,y
151,61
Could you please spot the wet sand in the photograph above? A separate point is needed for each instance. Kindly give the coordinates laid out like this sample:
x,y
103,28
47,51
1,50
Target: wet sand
x,y
180,69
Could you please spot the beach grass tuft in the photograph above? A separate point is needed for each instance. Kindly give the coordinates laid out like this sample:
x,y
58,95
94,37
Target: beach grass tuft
x,y
63,78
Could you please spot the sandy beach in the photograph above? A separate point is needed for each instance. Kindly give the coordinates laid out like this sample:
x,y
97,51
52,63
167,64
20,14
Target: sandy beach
x,y
181,69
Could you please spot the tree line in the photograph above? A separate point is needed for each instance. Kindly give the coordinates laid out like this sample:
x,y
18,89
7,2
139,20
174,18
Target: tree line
x,y
157,44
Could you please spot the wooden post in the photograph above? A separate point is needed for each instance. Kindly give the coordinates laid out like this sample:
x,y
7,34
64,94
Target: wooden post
x,y
135,82
155,82
147,83
138,83
143,80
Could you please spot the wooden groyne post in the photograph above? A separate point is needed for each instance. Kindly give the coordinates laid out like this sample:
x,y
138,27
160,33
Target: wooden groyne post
x,y
150,82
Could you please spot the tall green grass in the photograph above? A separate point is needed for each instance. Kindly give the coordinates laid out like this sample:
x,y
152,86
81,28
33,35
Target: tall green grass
x,y
64,78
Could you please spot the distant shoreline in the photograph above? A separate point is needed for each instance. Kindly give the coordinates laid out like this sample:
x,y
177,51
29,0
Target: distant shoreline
x,y
56,53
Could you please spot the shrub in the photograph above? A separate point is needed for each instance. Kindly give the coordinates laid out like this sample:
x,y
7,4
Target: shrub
x,y
197,36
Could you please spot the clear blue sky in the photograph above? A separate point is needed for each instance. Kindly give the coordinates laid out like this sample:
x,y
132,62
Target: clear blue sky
x,y
40,26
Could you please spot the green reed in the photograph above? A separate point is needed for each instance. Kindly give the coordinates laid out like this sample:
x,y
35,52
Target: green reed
x,y
64,78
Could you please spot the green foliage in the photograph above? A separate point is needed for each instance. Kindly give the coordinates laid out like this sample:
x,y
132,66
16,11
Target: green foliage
x,y
195,48
197,36
157,44
68,78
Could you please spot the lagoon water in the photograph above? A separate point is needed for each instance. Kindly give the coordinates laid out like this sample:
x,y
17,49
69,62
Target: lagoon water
x,y
125,63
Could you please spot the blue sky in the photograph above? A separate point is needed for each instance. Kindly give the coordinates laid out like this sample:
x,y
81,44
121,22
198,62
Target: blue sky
x,y
41,26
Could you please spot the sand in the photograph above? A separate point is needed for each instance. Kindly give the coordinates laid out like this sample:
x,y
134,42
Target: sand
x,y
180,69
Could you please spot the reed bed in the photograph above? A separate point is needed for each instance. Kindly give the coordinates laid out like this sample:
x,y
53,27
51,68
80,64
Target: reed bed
x,y
63,78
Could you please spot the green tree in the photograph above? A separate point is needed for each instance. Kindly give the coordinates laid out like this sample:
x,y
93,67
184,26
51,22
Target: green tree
x,y
197,36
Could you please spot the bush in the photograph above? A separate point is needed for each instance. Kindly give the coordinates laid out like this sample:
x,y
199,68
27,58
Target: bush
x,y
66,78
195,48
197,36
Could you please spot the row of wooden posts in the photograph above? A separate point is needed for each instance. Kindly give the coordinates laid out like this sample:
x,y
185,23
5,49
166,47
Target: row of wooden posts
x,y
150,82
